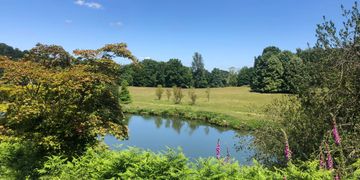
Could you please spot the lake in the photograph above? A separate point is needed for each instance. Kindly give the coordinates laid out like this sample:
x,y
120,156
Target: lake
x,y
196,138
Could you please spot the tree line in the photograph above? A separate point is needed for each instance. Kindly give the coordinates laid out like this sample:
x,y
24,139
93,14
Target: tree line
x,y
151,73
274,71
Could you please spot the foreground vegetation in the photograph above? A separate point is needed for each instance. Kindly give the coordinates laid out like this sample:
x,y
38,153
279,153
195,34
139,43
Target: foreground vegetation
x,y
235,107
101,163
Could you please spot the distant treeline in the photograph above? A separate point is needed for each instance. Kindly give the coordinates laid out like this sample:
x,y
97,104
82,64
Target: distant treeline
x,y
150,73
274,71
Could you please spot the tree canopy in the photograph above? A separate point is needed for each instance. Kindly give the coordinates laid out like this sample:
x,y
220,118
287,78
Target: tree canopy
x,y
276,71
60,111
10,52
60,105
50,56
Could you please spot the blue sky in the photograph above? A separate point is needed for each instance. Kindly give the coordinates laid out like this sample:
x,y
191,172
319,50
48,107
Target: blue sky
x,y
226,32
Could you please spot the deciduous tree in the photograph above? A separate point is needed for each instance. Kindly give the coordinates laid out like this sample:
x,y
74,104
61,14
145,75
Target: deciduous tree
x,y
159,91
198,71
60,111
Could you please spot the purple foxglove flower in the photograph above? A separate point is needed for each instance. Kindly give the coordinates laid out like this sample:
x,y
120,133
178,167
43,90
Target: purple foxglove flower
x,y
335,134
218,149
329,161
287,151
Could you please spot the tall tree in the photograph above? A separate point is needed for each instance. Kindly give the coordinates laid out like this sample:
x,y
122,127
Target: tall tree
x,y
268,71
232,77
218,78
160,74
127,73
293,71
272,75
198,71
177,75
244,76
146,74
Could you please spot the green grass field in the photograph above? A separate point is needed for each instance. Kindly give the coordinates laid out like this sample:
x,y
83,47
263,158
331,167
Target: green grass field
x,y
237,102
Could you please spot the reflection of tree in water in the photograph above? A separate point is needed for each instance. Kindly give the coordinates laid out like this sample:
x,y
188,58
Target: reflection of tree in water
x,y
244,140
193,125
158,122
167,123
207,130
147,118
221,129
245,143
177,125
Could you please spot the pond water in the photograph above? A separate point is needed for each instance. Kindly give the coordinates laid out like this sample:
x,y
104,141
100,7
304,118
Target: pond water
x,y
196,138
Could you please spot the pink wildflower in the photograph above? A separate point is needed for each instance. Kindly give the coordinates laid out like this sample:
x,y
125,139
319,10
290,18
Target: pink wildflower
x,y
335,133
329,161
218,149
287,151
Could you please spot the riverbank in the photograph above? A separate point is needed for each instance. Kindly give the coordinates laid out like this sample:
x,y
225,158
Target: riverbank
x,y
234,107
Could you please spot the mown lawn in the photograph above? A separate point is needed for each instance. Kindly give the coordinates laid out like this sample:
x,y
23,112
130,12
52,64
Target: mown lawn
x,y
238,102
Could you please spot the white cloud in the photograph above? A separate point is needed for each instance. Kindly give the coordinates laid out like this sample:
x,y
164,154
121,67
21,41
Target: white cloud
x,y
117,24
80,2
93,5
145,58
68,21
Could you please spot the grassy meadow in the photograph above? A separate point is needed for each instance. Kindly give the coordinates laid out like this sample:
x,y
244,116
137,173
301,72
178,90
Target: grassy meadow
x,y
236,103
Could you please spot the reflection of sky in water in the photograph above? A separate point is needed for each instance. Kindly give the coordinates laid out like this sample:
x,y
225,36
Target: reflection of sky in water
x,y
196,139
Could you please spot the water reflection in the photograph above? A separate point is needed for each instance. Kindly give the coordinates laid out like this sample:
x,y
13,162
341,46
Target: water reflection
x,y
158,122
177,124
197,138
